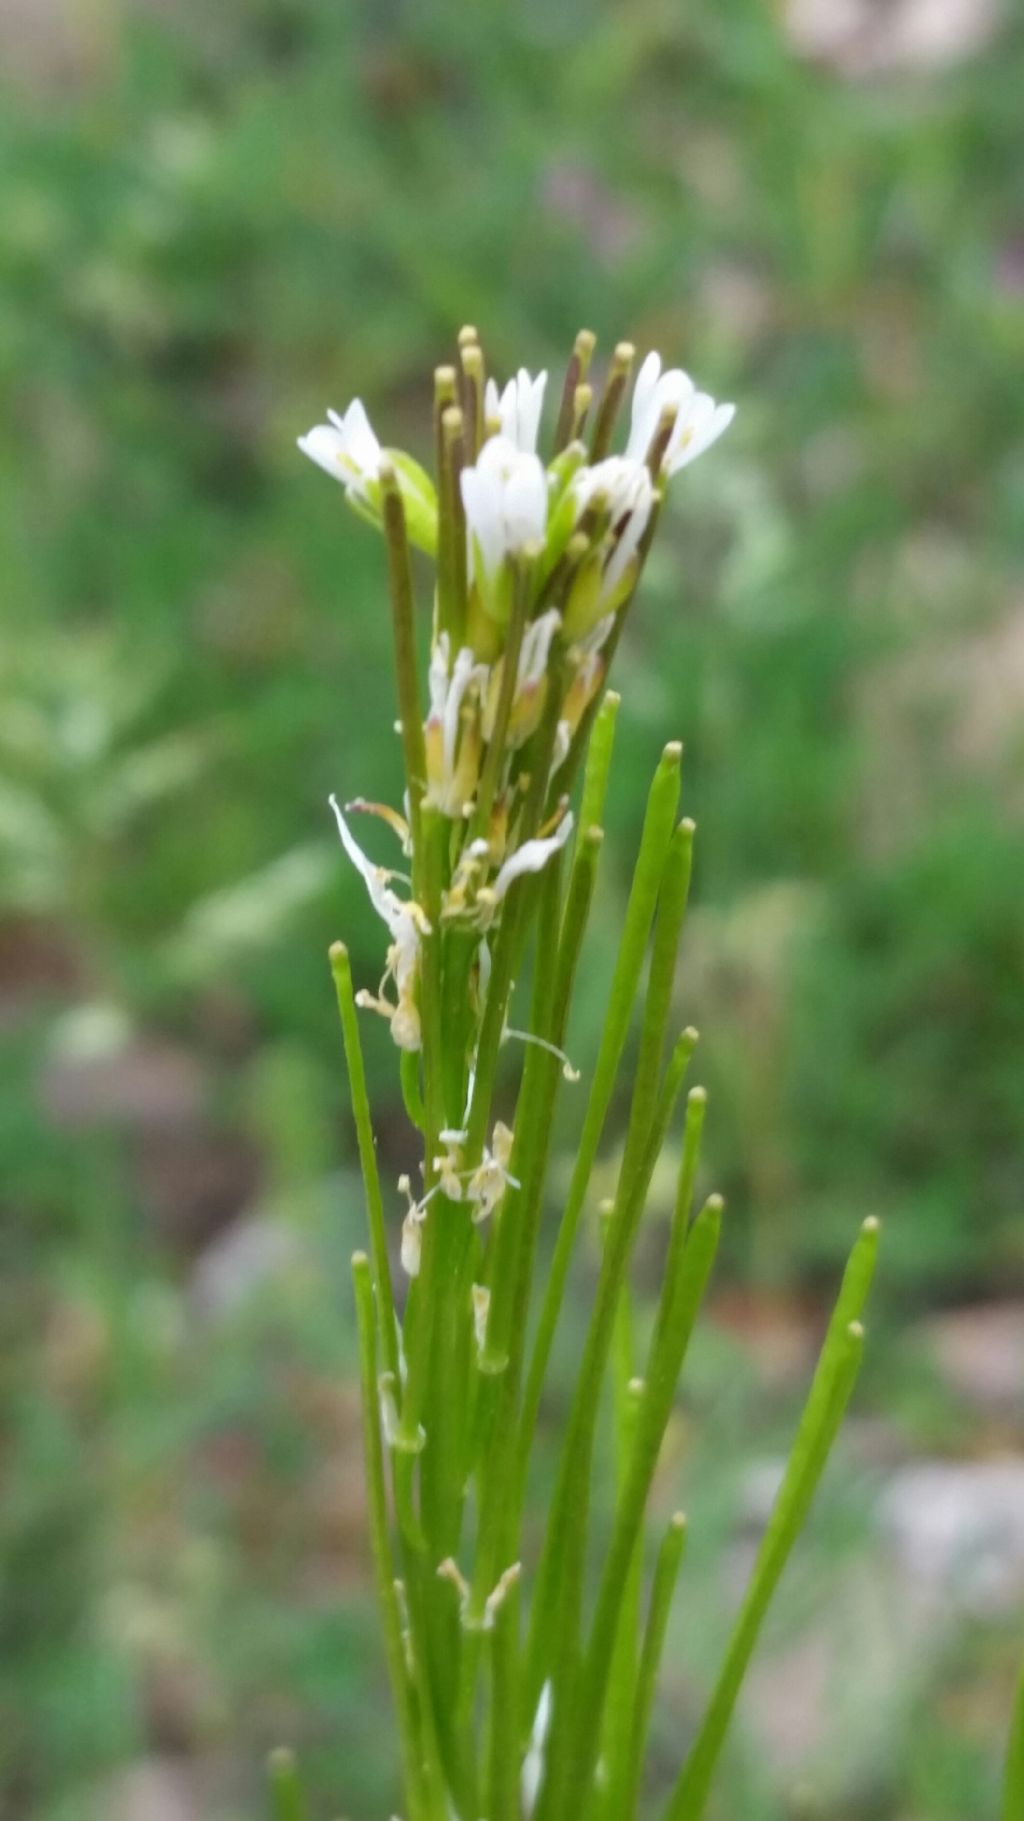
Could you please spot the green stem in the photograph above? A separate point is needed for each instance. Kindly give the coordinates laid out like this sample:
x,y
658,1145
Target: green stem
x,y
679,1235
453,437
432,1720
342,973
682,1295
492,1027
445,395
535,1107
511,937
549,1072
666,1572
503,1754
608,410
576,373
554,1635
1013,1791
673,893
425,1803
500,1381
599,759
422,1310
404,633
412,1094
473,388
830,1392
286,1797
497,754
567,773
616,1730
654,842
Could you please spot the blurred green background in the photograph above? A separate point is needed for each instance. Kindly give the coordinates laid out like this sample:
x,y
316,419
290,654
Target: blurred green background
x,y
215,221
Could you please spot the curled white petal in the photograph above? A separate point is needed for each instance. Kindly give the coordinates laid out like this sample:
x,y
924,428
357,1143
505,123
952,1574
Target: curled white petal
x,y
407,925
387,904
532,856
450,767
518,408
696,430
466,671
536,647
654,393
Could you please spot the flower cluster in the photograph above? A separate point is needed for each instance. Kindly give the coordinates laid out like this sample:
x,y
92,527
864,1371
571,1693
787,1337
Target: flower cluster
x,y
536,567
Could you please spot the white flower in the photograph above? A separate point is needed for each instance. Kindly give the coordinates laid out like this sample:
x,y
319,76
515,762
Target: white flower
x,y
532,856
531,680
532,676
518,407
452,748
347,448
587,680
407,925
698,420
470,898
536,648
625,484
506,501
608,573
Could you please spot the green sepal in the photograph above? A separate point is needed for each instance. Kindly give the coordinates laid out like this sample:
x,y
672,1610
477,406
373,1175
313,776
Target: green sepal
x,y
584,606
562,506
419,499
562,470
495,593
367,507
483,634
626,584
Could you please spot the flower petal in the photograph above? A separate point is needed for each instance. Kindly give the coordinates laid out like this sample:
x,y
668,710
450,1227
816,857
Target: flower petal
x,y
325,446
532,856
385,902
707,423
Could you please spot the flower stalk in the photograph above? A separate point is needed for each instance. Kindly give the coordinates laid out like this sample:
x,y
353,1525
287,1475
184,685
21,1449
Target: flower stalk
x,y
1013,1788
515,1695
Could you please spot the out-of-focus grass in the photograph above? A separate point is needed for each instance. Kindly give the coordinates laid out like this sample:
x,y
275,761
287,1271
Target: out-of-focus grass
x,y
215,222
